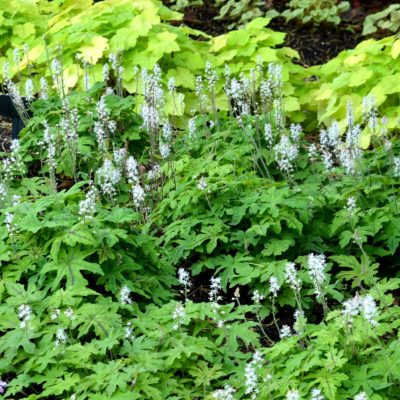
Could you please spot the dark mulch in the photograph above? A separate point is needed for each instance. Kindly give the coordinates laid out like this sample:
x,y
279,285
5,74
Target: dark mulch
x,y
316,45
5,134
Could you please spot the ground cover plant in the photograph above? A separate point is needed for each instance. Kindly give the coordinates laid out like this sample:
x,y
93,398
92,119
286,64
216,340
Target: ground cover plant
x,y
221,252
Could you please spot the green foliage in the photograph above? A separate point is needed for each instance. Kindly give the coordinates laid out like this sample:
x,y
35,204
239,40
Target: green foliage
x,y
315,12
387,19
97,222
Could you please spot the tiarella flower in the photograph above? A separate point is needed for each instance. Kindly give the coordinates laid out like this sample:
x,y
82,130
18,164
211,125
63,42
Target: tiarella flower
x,y
200,92
178,316
226,393
293,394
15,199
251,375
291,277
55,314
312,152
257,297
316,394
285,154
106,72
3,386
3,192
49,142
24,315
124,295
165,150
365,306
351,205
295,132
131,169
214,297
138,195
9,223
211,77
274,286
299,322
396,167
350,114
171,84
184,278
369,309
167,132
29,90
361,396
202,184
87,207
69,313
61,337
268,134
285,331
154,172
128,331
316,266
192,127
119,156
108,177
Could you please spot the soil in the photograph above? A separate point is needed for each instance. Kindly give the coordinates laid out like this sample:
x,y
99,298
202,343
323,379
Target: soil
x,y
5,134
316,45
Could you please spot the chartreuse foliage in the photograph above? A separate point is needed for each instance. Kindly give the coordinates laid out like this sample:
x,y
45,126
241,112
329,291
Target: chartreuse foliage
x,y
371,68
143,35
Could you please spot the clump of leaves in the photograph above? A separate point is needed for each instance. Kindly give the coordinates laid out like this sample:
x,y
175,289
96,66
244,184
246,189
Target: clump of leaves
x,y
315,12
102,281
387,19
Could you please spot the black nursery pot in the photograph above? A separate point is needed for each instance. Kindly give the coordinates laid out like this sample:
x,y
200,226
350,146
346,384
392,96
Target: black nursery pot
x,y
8,110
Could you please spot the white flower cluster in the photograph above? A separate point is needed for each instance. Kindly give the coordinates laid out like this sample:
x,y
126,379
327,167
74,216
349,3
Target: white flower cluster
x,y
396,167
132,174
226,393
61,337
364,305
214,297
87,207
291,277
285,332
43,88
9,223
128,331
268,134
316,266
202,184
251,375
316,394
351,205
370,112
257,297
361,396
69,313
299,322
3,191
184,279
24,315
293,394
274,286
124,295
108,176
165,142
49,143
286,152
153,98
178,316
104,126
